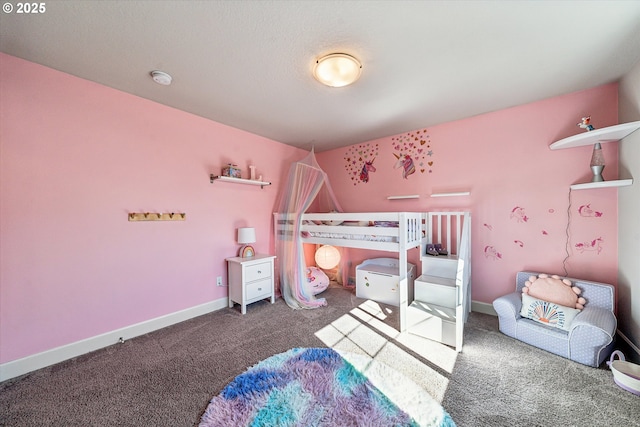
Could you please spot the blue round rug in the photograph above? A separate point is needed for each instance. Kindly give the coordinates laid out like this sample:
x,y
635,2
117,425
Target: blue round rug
x,y
316,387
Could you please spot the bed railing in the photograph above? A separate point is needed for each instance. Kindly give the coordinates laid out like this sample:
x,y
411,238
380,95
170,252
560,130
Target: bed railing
x,y
445,228
407,234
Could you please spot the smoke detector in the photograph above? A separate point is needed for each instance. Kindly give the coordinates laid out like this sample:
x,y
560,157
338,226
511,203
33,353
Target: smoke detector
x,y
161,77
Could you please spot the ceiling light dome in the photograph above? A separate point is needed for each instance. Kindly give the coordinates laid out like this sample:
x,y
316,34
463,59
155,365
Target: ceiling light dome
x,y
337,69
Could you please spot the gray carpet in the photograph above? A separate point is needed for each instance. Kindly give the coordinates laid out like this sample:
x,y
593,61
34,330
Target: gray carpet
x,y
166,378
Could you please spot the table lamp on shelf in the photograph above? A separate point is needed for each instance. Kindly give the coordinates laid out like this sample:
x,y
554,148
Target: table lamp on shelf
x,y
246,235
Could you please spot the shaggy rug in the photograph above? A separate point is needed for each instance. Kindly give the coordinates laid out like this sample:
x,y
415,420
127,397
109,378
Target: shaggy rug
x,y
319,387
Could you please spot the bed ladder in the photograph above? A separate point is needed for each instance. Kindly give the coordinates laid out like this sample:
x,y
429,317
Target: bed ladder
x,y
442,294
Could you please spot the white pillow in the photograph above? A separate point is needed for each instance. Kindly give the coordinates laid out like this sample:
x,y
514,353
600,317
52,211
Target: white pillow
x,y
548,313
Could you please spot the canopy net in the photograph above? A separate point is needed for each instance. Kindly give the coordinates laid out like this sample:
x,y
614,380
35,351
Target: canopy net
x,y
306,183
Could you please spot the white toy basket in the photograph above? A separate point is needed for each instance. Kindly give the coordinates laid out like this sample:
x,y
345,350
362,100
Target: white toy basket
x,y
625,374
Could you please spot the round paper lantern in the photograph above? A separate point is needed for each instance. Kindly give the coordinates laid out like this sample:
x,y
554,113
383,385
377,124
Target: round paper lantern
x,y
327,257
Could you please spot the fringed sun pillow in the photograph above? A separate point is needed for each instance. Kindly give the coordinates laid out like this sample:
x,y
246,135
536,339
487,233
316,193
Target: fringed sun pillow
x,y
551,300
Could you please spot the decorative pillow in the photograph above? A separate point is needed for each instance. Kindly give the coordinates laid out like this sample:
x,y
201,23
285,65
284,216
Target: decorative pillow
x,y
548,313
318,280
554,289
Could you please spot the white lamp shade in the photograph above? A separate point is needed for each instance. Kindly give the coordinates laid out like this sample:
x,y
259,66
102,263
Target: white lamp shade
x,y
246,235
327,257
337,70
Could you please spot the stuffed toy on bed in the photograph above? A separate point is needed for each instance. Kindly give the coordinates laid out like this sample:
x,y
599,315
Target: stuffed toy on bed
x,y
554,289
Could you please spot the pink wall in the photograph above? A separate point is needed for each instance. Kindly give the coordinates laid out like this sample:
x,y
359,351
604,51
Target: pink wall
x,y
76,158
519,187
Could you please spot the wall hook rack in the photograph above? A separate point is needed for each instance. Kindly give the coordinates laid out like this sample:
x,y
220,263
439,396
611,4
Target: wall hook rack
x,y
153,216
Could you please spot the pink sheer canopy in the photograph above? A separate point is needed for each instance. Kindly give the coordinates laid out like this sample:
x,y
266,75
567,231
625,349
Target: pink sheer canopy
x,y
305,182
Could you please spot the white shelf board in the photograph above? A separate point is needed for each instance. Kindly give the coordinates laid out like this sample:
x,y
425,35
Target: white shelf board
x,y
603,184
608,134
410,196
238,180
453,194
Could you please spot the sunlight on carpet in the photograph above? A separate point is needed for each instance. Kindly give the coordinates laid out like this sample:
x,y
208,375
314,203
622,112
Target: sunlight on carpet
x,y
362,332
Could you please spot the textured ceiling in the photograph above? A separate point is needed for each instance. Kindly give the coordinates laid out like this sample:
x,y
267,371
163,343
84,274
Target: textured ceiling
x,y
248,64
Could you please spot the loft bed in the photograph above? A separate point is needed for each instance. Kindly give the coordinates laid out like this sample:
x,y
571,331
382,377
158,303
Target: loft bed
x,y
399,232
382,231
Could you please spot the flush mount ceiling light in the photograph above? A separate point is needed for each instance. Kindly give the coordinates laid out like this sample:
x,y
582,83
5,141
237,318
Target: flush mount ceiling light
x,y
337,70
161,77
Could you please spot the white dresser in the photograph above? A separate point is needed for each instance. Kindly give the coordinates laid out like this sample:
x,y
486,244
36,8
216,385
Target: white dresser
x,y
250,280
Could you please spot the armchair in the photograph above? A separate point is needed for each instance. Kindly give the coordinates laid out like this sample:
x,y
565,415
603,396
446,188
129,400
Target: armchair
x,y
588,341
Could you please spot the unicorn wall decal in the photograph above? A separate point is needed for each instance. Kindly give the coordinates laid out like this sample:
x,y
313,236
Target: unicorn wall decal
x,y
366,168
594,245
406,162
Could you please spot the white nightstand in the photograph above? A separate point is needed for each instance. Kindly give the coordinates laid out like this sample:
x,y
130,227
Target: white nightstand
x,y
250,280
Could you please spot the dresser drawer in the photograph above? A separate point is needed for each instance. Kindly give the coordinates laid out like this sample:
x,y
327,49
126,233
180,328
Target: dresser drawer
x,y
257,271
258,289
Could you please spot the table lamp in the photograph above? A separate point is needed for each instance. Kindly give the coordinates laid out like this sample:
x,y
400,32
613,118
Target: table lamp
x,y
246,235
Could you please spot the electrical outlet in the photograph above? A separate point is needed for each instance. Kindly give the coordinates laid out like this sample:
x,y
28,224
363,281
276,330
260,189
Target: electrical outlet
x,y
219,281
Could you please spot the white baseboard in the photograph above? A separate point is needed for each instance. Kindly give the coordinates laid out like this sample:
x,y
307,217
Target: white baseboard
x,y
56,355
483,307
629,342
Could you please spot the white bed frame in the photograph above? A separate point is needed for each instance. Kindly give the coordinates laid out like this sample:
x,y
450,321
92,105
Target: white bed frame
x,y
415,229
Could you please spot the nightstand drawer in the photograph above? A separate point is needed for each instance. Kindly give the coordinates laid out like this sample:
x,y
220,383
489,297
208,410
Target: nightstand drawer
x,y
258,289
258,271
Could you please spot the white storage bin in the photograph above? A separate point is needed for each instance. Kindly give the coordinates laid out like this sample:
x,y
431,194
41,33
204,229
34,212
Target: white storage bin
x,y
378,279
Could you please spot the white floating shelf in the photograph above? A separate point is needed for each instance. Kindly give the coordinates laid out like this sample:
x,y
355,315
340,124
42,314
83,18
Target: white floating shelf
x,y
603,184
608,134
410,196
213,178
457,193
